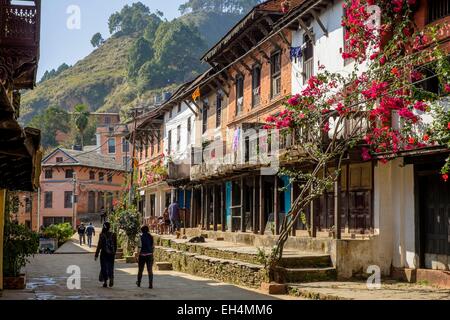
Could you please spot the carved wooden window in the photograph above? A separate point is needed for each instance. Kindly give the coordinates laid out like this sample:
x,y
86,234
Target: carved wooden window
x,y
239,94
275,62
256,85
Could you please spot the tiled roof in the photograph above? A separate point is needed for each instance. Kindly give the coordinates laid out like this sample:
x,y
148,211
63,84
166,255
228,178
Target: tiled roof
x,y
88,158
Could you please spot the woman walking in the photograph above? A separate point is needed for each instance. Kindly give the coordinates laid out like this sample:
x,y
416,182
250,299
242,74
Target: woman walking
x,y
146,248
106,248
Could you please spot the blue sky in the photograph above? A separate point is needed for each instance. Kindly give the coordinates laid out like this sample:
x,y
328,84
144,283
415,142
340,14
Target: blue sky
x,y
60,44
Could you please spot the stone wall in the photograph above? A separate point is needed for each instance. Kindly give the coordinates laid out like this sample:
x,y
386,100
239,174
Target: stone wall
x,y
235,272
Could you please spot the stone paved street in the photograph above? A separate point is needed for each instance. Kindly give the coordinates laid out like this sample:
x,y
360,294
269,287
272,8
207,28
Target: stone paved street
x,y
47,279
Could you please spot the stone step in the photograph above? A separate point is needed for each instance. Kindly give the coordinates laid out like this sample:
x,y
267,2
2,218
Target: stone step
x,y
298,275
307,260
164,266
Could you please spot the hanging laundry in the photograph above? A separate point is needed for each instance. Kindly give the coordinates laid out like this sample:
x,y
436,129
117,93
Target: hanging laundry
x,y
296,53
237,134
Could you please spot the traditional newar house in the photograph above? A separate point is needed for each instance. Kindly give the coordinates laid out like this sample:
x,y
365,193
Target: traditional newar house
x,y
164,140
394,216
20,154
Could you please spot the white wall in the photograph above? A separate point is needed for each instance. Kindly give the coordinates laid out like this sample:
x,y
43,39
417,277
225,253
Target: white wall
x,y
395,213
327,50
171,124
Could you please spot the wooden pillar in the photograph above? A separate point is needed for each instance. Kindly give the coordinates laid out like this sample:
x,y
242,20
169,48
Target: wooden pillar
x,y
202,206
275,205
2,226
191,210
222,206
254,211
242,206
208,209
261,206
337,207
214,204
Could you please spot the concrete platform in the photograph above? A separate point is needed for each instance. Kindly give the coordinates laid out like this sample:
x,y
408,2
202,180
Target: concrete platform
x,y
390,290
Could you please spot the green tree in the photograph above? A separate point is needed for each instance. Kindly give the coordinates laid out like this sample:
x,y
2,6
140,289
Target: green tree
x,y
50,121
97,40
53,73
140,53
81,116
177,47
131,19
219,6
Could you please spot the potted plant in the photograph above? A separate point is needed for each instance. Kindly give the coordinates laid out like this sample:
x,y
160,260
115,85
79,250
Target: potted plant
x,y
129,221
20,243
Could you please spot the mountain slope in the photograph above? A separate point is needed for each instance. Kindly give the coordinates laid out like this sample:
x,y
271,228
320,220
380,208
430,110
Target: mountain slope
x,y
212,25
89,81
100,79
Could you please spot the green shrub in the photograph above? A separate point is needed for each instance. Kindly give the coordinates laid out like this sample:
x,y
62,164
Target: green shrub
x,y
62,232
19,244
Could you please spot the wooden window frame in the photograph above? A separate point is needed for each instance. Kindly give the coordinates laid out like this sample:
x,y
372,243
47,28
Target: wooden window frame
x,y
275,75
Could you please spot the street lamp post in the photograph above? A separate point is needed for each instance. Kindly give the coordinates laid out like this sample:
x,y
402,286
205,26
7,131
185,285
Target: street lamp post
x,y
74,200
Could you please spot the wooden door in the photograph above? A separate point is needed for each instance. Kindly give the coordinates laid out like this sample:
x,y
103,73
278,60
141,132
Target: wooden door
x,y
434,197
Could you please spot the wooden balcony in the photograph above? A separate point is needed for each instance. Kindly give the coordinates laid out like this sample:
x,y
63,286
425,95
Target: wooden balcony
x,y
19,42
20,155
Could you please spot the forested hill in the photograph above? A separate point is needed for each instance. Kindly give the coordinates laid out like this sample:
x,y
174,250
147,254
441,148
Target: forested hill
x,y
145,54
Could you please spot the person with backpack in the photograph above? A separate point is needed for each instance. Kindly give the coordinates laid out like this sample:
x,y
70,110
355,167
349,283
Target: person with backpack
x,y
82,234
146,247
106,248
90,231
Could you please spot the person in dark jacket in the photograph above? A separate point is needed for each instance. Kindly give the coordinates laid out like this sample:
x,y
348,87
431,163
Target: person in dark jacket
x,y
146,248
106,248
90,231
82,234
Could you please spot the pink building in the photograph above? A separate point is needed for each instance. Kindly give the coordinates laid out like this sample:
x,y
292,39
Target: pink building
x,y
96,179
111,140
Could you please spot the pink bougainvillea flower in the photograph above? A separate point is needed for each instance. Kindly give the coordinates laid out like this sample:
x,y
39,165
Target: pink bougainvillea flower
x,y
411,140
445,177
294,100
365,154
426,138
416,76
447,87
407,114
374,55
421,106
270,119
383,60
448,126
